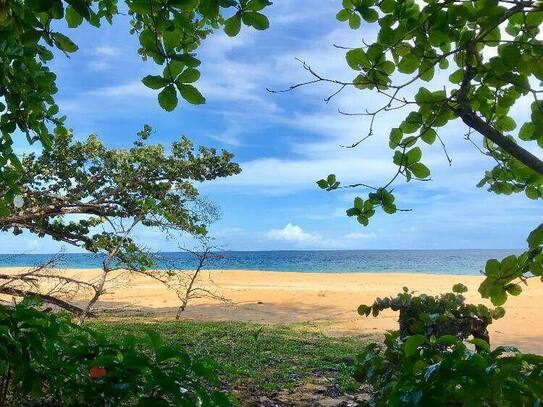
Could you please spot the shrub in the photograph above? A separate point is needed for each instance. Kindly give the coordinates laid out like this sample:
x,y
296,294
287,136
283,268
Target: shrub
x,y
444,314
47,360
441,357
421,371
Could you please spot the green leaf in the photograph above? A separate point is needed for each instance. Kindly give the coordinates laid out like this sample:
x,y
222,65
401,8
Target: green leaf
x,y
167,98
513,289
209,8
408,64
498,296
526,132
191,94
498,312
414,155
492,268
412,123
256,20
420,170
532,192
322,183
505,123
429,136
354,21
364,310
188,76
357,59
480,344
232,25
370,15
81,7
359,203
73,18
343,15
64,43
457,76
154,81
40,6
4,210
396,136
412,344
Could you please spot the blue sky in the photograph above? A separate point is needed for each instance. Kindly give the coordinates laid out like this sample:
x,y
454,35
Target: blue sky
x,y
285,142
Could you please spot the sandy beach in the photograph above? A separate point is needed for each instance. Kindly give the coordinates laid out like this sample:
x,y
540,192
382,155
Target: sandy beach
x,y
325,301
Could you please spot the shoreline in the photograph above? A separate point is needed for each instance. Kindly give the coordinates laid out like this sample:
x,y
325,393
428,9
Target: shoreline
x,y
326,302
7,269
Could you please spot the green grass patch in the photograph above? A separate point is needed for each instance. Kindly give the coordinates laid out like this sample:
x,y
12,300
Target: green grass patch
x,y
270,358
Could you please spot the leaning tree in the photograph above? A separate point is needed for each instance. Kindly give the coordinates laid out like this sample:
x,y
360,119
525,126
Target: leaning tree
x,y
93,197
480,59
32,31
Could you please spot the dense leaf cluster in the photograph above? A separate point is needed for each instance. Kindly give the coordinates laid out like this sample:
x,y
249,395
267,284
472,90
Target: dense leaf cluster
x,y
47,360
502,276
441,356
445,371
444,314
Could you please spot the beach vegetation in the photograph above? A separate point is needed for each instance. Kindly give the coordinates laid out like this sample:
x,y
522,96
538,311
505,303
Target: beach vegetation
x,y
441,356
95,198
47,360
447,371
437,315
188,284
294,364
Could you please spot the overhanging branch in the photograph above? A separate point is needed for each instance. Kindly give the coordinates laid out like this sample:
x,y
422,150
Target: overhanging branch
x,y
521,154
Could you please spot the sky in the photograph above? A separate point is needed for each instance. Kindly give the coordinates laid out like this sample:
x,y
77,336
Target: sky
x,y
285,142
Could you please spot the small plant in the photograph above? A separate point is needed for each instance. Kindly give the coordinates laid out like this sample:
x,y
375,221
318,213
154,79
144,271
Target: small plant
x,y
444,314
47,360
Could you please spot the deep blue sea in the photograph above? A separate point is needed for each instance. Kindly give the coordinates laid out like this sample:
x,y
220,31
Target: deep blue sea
x,y
330,261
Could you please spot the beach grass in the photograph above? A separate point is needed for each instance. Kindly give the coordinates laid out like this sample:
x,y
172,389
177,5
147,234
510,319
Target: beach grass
x,y
252,357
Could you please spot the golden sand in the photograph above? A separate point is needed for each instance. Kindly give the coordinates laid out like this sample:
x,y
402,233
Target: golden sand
x,y
327,302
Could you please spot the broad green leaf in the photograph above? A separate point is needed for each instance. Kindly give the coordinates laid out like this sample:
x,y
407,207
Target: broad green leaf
x,y
167,98
64,43
412,344
155,82
408,64
188,76
191,94
232,25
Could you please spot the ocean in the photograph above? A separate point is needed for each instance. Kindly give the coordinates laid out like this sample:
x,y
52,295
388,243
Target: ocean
x,y
467,262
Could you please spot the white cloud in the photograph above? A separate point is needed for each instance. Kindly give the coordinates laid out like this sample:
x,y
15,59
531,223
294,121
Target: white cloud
x,y
360,236
103,57
293,233
133,88
107,51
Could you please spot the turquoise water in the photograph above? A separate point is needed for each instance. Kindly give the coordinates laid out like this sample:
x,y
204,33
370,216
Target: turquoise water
x,y
326,261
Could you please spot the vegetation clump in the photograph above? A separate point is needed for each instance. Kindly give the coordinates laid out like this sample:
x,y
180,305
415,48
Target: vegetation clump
x,y
46,360
441,357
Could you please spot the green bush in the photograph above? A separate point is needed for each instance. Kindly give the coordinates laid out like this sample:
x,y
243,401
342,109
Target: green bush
x,y
444,314
441,357
46,360
421,371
